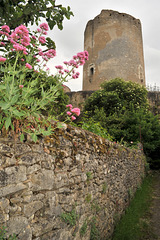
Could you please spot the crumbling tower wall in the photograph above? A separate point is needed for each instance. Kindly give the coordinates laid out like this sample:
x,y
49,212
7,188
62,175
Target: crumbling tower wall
x,y
115,46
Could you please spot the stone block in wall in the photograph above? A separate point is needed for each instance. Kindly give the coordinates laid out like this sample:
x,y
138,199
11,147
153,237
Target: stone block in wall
x,y
20,226
12,189
12,174
43,180
31,208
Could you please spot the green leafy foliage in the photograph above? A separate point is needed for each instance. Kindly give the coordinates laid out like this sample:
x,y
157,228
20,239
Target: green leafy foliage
x,y
42,85
29,96
96,128
94,234
83,229
121,108
117,96
89,176
70,217
88,198
3,235
14,13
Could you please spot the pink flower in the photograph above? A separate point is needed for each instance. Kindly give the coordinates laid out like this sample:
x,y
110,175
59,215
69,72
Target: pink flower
x,y
76,111
21,86
61,72
42,39
44,26
50,53
22,59
45,58
59,67
13,37
3,44
33,37
18,47
41,53
2,59
74,76
70,106
5,28
69,113
73,118
82,62
25,53
25,41
22,31
28,66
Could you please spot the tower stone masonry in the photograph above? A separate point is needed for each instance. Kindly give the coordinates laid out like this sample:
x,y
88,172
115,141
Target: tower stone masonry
x,y
115,46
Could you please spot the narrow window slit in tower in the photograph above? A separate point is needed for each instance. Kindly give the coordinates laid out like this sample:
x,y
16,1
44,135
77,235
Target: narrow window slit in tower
x,y
91,71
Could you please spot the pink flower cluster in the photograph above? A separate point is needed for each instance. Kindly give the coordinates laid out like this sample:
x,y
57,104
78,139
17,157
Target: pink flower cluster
x,y
5,30
44,27
20,39
42,39
51,53
43,30
72,111
28,66
2,59
78,60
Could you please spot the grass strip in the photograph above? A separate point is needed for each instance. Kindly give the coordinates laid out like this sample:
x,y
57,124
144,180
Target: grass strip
x,y
132,225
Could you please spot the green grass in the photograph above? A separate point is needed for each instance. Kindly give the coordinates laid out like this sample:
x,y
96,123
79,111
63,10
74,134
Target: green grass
x,y
133,225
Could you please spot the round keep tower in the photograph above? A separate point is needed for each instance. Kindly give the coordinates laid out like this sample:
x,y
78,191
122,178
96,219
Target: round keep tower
x,y
115,46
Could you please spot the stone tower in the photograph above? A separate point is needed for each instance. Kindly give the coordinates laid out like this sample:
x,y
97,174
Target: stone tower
x,y
115,46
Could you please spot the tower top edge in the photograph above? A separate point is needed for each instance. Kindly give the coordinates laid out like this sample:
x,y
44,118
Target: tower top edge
x,y
112,14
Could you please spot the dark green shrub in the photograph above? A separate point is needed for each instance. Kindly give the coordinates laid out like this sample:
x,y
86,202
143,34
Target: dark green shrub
x,y
121,110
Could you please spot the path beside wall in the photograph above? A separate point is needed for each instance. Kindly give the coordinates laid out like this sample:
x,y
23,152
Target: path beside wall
x,y
72,175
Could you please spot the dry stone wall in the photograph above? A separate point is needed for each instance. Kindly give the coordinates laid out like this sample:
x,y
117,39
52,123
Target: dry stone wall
x,y
66,186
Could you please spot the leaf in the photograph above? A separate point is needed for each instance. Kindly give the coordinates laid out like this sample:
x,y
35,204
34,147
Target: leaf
x,y
22,137
22,76
2,87
34,137
17,113
1,125
7,123
4,105
14,99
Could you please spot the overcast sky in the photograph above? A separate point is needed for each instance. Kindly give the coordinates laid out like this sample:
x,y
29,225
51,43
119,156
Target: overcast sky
x,y
70,40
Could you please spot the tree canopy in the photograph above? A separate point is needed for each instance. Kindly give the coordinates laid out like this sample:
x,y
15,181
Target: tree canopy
x,y
117,96
16,12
